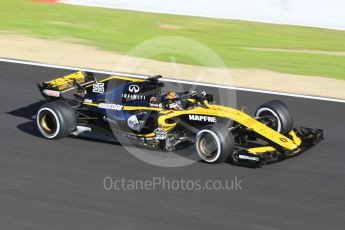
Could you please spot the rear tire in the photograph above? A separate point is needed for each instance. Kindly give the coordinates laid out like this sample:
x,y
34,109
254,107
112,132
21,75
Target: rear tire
x,y
214,144
278,111
56,119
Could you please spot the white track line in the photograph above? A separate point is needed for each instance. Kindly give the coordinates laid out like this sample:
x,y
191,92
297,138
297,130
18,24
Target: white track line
x,y
172,80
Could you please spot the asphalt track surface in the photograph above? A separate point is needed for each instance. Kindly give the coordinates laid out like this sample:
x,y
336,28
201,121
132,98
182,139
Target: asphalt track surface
x,y
59,184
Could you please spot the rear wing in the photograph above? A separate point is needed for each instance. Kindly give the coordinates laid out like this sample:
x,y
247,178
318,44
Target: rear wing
x,y
55,88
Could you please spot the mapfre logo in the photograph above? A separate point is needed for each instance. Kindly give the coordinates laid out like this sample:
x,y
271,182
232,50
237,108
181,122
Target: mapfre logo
x,y
133,88
202,118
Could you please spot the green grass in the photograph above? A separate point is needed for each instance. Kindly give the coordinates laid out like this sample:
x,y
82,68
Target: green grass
x,y
119,30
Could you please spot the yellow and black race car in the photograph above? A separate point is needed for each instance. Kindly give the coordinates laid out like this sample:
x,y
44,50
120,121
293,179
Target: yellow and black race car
x,y
135,109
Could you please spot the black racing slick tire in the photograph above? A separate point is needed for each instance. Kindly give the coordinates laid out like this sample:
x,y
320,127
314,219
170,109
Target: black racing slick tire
x,y
279,112
214,144
56,120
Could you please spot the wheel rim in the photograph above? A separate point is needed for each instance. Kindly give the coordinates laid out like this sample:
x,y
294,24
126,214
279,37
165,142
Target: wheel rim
x,y
48,123
208,146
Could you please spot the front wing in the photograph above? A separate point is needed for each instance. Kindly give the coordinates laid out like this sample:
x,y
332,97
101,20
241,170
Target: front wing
x,y
303,137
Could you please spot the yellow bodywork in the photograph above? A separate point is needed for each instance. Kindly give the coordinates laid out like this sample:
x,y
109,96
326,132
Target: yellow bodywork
x,y
224,112
235,115
66,82
295,138
164,119
122,78
259,150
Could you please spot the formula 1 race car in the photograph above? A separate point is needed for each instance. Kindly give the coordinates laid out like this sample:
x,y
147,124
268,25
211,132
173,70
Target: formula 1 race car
x,y
137,110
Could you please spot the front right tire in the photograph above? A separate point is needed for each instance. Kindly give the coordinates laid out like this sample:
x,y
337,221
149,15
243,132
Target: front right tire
x,y
278,112
56,119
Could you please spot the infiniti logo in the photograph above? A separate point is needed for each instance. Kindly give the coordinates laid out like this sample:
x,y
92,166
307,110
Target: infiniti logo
x,y
133,88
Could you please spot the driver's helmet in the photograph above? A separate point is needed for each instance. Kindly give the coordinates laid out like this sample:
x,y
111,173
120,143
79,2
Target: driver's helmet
x,y
171,95
172,103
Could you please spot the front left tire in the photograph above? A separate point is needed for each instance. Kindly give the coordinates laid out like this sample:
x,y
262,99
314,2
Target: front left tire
x,y
214,144
56,120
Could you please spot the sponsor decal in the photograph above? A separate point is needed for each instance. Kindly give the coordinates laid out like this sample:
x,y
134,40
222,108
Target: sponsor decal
x,y
283,139
133,88
133,123
133,96
87,101
153,99
202,118
98,87
245,157
175,105
160,105
51,93
110,106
